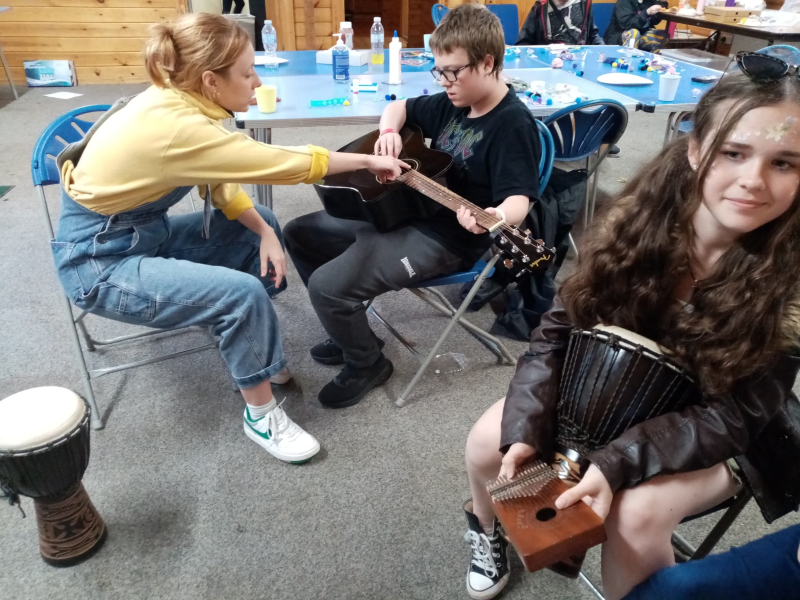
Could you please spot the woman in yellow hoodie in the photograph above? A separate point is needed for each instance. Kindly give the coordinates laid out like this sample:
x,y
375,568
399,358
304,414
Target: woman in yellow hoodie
x,y
118,253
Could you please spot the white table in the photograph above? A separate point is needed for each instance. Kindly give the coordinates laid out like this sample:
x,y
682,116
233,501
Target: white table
x,y
296,92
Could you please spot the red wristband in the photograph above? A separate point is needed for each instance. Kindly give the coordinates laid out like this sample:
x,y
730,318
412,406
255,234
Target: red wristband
x,y
385,131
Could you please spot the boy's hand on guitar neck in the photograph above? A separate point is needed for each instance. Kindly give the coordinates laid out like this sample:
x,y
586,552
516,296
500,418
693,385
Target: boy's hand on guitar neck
x,y
467,220
389,144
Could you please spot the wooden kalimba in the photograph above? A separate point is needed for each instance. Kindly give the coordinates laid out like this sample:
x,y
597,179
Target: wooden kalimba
x,y
541,533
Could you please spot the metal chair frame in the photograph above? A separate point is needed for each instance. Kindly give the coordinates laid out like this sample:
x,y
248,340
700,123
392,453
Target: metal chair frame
x,y
63,131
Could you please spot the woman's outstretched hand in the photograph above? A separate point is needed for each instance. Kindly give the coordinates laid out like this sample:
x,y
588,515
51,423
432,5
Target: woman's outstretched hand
x,y
387,168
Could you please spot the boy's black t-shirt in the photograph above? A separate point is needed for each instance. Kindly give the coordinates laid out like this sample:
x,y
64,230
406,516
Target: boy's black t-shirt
x,y
494,156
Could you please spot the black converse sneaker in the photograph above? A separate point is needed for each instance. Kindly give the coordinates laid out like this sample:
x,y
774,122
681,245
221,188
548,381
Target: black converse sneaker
x,y
488,572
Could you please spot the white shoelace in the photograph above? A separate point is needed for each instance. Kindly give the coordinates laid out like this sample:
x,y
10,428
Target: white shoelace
x,y
281,426
482,553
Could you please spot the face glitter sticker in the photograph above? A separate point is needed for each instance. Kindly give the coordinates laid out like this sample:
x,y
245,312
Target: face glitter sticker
x,y
776,132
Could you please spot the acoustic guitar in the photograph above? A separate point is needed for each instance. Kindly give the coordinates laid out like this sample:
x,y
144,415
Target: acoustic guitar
x,y
359,195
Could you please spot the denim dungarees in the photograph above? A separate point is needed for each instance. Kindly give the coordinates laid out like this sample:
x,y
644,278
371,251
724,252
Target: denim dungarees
x,y
144,267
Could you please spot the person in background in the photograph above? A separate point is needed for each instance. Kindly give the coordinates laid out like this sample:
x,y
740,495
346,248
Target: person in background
x,y
636,20
237,10
568,22
766,568
560,21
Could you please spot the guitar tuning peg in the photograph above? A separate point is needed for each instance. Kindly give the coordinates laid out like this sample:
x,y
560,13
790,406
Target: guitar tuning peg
x,y
527,232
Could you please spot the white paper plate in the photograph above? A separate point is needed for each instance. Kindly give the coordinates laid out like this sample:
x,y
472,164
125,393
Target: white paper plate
x,y
623,79
262,60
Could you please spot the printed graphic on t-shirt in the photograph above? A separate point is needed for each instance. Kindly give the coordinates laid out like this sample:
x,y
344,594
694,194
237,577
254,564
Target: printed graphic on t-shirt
x,y
573,15
458,142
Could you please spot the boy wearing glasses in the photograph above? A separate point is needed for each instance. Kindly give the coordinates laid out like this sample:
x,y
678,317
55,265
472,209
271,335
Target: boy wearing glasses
x,y
494,142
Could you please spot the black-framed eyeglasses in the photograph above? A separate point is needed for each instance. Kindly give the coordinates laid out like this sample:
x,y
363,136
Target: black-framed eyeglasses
x,y
762,67
450,75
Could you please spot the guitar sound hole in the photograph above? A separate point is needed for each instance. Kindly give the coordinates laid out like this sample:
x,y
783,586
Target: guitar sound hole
x,y
409,161
545,514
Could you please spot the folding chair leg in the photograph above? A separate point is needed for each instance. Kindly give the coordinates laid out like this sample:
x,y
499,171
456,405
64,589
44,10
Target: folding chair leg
x,y
461,309
97,420
494,345
572,244
592,587
722,526
90,347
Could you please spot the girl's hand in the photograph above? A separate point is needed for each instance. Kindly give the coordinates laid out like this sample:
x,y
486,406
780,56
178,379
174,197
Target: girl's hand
x,y
468,222
387,168
593,489
516,456
389,144
271,251
654,9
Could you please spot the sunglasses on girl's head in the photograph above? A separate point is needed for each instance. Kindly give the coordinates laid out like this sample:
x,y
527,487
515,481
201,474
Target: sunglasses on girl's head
x,y
762,67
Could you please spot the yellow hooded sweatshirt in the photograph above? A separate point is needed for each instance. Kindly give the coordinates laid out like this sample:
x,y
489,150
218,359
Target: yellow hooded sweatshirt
x,y
166,138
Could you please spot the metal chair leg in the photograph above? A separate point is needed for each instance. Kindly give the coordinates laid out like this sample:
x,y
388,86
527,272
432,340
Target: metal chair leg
x,y
722,526
8,74
97,420
461,309
572,244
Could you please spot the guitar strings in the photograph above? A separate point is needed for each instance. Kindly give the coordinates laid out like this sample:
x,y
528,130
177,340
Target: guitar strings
x,y
446,197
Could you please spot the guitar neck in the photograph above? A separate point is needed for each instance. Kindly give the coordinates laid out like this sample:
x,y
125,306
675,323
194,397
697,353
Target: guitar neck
x,y
445,197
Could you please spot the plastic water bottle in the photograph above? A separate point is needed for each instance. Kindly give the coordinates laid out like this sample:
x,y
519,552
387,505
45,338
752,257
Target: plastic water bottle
x,y
341,60
376,41
269,37
346,29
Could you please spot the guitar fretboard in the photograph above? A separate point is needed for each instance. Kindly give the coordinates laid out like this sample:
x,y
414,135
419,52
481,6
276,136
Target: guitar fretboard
x,y
445,197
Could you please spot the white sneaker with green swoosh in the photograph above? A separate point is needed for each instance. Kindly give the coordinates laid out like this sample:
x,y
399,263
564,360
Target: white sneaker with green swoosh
x,y
280,436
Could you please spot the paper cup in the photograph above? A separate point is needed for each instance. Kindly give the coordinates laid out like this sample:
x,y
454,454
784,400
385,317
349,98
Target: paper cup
x,y
427,41
266,96
668,87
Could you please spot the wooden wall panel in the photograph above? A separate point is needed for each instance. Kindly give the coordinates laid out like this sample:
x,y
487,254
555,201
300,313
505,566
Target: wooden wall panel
x,y
93,3
292,18
322,30
103,38
89,15
319,14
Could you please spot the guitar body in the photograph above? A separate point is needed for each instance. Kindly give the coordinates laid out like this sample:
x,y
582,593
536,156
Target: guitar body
x,y
359,196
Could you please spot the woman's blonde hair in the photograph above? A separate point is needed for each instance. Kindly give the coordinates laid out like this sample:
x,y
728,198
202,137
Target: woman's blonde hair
x,y
182,51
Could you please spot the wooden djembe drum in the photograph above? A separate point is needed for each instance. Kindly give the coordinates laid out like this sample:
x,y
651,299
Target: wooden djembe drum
x,y
612,380
44,452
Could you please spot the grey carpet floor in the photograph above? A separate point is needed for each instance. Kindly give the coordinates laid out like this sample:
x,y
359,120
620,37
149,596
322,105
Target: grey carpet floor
x,y
194,509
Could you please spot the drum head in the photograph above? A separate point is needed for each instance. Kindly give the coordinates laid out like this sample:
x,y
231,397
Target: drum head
x,y
633,338
38,416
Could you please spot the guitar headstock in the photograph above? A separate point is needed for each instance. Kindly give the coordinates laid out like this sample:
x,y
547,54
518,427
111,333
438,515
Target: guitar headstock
x,y
522,252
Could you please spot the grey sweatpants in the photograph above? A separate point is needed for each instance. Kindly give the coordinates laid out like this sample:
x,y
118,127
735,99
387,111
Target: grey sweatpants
x,y
343,263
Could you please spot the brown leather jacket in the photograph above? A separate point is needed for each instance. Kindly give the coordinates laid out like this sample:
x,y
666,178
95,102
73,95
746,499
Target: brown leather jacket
x,y
758,423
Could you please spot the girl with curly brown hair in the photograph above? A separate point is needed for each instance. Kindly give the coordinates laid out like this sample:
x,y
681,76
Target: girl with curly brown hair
x,y
700,254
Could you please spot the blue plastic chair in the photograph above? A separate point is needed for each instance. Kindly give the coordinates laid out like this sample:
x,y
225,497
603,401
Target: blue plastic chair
x,y
580,132
509,19
426,290
602,15
438,11
65,130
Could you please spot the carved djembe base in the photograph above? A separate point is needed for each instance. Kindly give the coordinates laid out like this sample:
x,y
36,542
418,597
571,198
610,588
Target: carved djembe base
x,y
70,528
